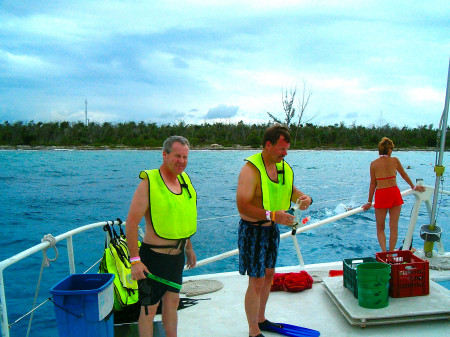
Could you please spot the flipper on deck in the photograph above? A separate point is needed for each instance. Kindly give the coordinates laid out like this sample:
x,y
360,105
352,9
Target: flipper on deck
x,y
287,329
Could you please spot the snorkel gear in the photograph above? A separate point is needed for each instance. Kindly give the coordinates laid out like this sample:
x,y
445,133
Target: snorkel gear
x,y
158,279
295,211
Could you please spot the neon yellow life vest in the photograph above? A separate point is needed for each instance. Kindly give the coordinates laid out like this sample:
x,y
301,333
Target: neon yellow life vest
x,y
275,196
116,260
174,216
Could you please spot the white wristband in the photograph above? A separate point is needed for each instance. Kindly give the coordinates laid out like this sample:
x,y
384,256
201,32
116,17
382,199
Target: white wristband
x,y
268,215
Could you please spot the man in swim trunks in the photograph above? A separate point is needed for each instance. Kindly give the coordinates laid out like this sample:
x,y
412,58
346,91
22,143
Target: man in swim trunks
x,y
168,202
264,194
383,184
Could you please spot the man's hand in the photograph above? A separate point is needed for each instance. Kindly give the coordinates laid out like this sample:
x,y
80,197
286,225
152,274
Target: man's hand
x,y
304,201
284,218
137,271
191,259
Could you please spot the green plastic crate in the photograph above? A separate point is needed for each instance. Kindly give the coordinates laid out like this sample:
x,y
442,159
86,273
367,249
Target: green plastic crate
x,y
349,266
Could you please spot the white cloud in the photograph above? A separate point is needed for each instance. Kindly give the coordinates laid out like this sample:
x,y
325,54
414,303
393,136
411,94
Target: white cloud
x,y
222,111
24,65
140,60
425,95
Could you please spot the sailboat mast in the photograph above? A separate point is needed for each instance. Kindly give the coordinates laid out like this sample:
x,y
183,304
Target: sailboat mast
x,y
439,169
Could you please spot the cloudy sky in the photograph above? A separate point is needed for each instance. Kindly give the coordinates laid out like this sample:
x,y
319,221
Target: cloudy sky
x,y
364,62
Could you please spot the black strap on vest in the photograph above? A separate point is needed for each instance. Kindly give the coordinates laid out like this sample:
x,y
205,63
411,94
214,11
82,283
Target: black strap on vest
x,y
181,243
282,172
259,223
184,185
107,228
120,227
117,241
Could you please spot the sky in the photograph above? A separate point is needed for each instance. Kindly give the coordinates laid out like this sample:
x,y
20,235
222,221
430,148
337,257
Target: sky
x,y
367,63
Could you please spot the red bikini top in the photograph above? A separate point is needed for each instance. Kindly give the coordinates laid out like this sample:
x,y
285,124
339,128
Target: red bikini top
x,y
385,178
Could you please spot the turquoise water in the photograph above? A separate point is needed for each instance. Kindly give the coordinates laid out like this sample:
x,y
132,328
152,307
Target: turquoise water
x,y
55,191
445,284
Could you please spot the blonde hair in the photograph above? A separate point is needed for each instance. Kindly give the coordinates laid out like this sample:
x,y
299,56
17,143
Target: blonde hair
x,y
384,145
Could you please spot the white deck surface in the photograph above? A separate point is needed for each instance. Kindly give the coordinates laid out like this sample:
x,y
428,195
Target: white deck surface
x,y
224,314
436,305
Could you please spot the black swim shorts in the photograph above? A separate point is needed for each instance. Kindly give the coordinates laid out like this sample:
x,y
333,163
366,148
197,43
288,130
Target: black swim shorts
x,y
169,267
258,248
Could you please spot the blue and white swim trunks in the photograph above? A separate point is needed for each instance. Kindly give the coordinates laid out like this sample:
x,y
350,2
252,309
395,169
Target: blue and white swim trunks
x,y
258,248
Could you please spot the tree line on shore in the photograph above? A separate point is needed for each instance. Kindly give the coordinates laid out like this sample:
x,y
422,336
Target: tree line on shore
x,y
148,135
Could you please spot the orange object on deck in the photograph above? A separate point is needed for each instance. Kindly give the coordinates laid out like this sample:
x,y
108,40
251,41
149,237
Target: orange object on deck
x,y
333,273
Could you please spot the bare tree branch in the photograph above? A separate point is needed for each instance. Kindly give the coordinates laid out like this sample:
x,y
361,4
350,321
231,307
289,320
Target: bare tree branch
x,y
287,99
274,118
288,103
302,105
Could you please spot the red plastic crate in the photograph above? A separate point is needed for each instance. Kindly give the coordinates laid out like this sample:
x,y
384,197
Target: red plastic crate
x,y
409,274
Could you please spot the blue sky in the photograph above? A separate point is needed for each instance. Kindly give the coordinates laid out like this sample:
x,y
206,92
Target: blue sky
x,y
364,62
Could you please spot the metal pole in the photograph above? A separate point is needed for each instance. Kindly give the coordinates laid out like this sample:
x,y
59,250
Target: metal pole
x,y
3,311
442,148
438,169
70,255
297,249
85,113
412,222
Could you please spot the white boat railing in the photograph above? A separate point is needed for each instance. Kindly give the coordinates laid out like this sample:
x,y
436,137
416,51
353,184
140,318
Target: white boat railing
x,y
36,249
420,197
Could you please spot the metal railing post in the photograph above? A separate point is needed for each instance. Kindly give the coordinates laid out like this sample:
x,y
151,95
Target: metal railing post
x,y
3,311
412,223
420,197
297,248
70,255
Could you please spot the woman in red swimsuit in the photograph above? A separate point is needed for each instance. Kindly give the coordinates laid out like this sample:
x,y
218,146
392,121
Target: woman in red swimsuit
x,y
383,184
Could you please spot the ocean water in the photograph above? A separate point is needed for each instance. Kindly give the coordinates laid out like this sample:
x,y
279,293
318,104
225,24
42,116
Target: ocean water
x,y
46,192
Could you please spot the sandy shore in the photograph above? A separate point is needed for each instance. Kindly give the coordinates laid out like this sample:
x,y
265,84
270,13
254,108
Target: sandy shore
x,y
204,147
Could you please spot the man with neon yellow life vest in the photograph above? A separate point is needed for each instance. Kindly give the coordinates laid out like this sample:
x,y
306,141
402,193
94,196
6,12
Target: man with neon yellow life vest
x,y
264,194
167,200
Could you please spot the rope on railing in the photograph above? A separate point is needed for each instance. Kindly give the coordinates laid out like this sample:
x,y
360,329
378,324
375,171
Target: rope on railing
x,y
95,263
45,263
218,217
341,199
28,313
315,203
50,239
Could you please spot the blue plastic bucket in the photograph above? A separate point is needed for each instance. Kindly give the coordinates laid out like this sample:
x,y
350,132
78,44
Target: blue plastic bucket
x,y
83,305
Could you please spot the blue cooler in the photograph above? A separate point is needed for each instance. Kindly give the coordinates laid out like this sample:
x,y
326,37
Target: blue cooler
x,y
83,305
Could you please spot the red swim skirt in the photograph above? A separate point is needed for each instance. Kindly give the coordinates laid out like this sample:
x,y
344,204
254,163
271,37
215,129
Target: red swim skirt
x,y
388,197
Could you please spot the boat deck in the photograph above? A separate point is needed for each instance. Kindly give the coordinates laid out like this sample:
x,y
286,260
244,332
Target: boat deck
x,y
224,315
400,310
